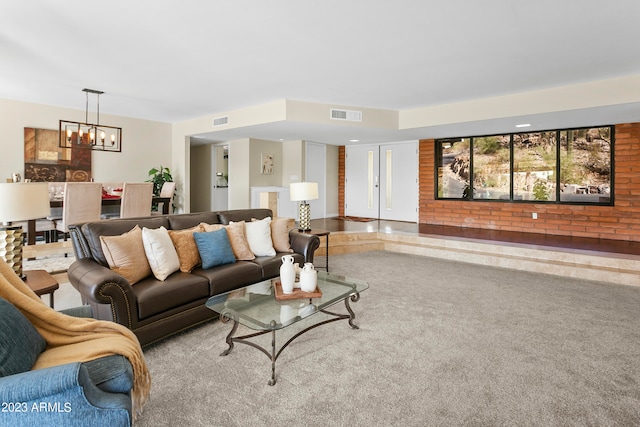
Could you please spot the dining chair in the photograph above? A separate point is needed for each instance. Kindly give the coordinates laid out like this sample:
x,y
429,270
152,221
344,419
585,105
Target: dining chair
x,y
44,226
82,202
136,199
167,190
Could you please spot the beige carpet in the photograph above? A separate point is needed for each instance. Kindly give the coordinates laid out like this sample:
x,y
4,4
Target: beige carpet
x,y
440,343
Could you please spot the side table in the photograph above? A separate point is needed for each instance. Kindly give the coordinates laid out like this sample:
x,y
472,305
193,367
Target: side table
x,y
41,283
320,232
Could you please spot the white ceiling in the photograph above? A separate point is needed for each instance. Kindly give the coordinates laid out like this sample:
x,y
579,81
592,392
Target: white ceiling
x,y
171,61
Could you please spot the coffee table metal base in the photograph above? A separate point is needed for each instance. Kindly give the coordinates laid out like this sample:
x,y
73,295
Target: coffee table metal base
x,y
273,354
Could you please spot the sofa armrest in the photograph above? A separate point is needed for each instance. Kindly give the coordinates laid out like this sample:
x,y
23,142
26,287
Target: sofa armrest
x,y
61,395
79,243
100,285
304,244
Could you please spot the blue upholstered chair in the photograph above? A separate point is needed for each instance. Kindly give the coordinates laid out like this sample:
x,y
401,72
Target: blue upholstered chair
x,y
95,393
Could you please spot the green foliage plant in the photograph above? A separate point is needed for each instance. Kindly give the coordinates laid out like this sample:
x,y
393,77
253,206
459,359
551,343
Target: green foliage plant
x,y
540,190
159,177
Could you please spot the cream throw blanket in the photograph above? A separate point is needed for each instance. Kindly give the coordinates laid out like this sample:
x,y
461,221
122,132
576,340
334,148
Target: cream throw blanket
x,y
72,339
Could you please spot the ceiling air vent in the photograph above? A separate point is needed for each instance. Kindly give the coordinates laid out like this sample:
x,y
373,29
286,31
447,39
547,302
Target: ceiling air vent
x,y
348,115
221,121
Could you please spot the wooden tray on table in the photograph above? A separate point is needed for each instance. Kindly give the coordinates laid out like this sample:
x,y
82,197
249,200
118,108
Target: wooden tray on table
x,y
296,294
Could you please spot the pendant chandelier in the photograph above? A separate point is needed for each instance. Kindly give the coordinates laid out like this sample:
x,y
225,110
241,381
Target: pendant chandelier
x,y
94,136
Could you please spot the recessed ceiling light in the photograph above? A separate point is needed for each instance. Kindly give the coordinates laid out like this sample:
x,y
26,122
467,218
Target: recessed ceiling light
x,y
523,125
354,140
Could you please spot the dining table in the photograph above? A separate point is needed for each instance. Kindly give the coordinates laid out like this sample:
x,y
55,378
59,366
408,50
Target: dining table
x,y
108,200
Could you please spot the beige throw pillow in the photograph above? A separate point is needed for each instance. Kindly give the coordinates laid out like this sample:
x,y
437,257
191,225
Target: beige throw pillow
x,y
280,233
186,248
237,239
211,227
125,255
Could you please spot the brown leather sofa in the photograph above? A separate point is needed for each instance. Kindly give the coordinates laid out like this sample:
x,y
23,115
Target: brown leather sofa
x,y
155,309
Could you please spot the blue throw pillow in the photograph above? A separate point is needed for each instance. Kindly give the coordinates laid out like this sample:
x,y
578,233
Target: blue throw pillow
x,y
214,248
20,342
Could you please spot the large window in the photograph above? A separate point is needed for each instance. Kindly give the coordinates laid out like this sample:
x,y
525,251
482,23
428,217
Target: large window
x,y
525,166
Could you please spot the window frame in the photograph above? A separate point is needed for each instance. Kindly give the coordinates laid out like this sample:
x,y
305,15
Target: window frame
x,y
438,143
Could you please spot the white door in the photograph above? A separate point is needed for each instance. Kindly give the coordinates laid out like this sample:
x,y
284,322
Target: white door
x,y
382,181
362,181
399,181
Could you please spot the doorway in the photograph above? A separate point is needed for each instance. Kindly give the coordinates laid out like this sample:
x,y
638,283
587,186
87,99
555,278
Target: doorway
x,y
382,181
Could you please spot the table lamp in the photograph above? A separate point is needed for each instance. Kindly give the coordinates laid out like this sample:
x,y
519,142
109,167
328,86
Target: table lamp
x,y
302,192
19,202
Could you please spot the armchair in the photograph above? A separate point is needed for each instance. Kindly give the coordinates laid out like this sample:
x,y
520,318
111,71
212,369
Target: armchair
x,y
96,393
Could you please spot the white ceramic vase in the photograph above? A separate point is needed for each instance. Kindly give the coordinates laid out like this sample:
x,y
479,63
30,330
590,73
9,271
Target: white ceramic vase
x,y
287,274
308,278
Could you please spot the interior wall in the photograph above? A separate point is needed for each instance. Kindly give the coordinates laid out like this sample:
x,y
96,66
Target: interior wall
x,y
200,178
145,144
291,162
239,174
258,147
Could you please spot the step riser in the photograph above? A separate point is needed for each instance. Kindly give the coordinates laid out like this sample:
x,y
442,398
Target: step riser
x,y
589,265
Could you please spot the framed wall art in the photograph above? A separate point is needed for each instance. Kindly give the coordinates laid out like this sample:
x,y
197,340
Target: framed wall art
x,y
267,164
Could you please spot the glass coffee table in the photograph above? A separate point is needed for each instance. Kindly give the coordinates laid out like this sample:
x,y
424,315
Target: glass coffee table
x,y
257,308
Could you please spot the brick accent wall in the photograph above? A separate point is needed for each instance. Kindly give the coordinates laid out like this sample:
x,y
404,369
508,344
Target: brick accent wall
x,y
341,178
619,222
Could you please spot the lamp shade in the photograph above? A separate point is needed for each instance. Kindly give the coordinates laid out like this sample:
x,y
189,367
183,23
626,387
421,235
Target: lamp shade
x,y
23,201
300,191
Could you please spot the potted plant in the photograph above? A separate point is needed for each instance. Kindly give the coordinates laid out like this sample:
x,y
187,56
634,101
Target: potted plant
x,y
158,177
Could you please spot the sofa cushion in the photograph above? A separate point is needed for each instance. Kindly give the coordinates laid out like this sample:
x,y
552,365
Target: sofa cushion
x,y
259,237
214,248
237,238
186,248
230,276
161,254
114,227
184,221
20,342
280,233
237,215
155,297
126,256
